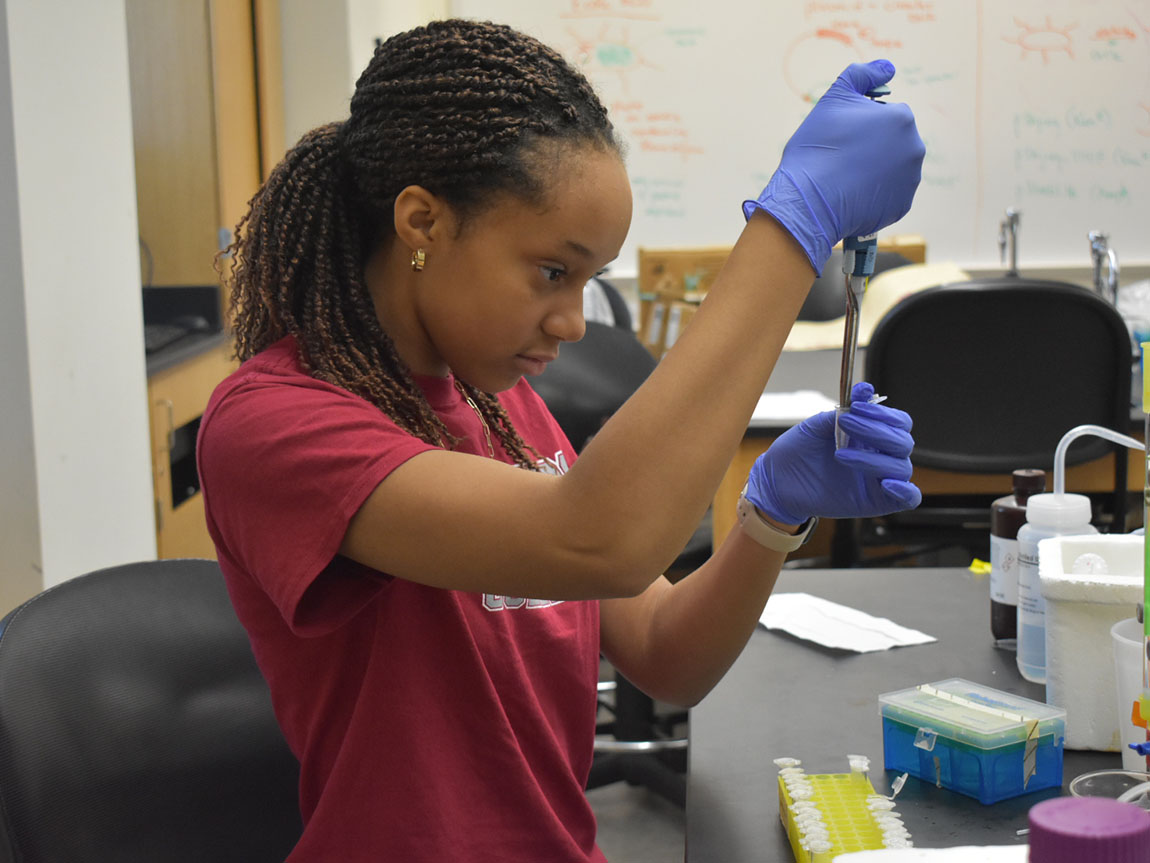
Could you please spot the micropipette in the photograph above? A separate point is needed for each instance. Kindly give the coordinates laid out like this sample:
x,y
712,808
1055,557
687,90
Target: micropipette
x,y
858,265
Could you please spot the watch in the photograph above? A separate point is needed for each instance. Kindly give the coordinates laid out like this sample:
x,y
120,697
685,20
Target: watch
x,y
765,533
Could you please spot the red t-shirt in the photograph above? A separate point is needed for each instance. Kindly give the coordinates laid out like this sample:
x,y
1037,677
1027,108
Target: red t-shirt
x,y
430,724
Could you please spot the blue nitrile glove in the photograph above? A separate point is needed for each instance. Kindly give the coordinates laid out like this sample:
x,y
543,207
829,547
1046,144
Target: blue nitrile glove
x,y
851,168
802,475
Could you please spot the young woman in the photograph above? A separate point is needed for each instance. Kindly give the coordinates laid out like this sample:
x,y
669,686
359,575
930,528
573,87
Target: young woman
x,y
427,575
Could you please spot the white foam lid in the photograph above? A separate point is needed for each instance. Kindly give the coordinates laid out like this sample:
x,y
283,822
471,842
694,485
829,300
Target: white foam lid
x,y
1122,584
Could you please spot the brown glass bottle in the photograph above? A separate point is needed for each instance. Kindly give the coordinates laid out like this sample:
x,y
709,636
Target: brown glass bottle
x,y
1007,515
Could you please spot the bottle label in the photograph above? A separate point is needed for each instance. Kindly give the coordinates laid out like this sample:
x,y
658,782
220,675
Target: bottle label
x,y
1004,570
1031,615
1031,605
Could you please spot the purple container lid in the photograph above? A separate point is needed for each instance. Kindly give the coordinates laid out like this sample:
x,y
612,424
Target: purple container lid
x,y
1089,830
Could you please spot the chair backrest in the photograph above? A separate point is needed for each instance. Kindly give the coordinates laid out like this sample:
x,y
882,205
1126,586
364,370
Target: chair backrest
x,y
591,378
135,725
994,372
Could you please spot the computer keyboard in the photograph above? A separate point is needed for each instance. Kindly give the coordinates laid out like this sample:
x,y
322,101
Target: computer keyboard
x,y
159,336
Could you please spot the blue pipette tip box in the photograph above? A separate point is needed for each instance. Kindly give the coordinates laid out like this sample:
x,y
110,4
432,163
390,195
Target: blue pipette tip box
x,y
978,741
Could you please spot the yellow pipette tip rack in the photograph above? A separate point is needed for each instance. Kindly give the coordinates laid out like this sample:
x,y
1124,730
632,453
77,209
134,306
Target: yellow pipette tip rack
x,y
827,814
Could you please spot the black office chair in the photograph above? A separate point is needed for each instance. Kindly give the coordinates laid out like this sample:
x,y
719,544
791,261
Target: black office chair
x,y
591,378
136,727
994,373
640,743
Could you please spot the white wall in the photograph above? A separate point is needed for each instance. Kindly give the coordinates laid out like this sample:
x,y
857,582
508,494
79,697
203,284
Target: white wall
x,y
368,19
315,64
327,45
19,525
76,492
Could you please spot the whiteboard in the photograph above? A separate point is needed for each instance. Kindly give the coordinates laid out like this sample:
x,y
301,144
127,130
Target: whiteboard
x,y
1040,105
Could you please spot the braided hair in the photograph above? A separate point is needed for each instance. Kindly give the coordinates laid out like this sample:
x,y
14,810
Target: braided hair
x,y
458,107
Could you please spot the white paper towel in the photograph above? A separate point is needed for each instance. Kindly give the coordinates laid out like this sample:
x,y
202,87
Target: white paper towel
x,y
833,625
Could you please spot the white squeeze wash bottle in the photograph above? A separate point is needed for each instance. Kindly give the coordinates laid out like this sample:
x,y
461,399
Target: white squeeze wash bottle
x,y
1047,515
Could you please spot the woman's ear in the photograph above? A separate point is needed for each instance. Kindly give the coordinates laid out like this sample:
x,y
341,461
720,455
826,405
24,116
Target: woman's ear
x,y
420,217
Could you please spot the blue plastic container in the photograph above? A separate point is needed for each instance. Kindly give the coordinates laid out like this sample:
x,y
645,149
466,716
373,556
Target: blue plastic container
x,y
978,741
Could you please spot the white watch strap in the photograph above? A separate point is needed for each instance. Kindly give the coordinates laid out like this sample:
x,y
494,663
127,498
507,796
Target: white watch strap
x,y
765,533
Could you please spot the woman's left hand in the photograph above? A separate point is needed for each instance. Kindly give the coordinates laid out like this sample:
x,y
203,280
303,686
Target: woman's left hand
x,y
802,474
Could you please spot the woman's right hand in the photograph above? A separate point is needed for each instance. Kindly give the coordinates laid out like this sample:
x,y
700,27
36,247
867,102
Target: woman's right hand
x,y
849,170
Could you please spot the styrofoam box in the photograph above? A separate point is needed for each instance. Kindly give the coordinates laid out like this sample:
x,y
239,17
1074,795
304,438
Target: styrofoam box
x,y
1080,609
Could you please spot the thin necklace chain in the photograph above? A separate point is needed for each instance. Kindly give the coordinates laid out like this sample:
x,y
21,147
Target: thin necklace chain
x,y
486,428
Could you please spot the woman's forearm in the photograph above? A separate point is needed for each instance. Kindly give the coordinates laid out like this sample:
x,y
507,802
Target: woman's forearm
x,y
654,467
677,642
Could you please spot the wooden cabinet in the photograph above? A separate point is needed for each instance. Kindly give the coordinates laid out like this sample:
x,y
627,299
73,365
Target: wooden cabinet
x,y
206,95
177,397
207,122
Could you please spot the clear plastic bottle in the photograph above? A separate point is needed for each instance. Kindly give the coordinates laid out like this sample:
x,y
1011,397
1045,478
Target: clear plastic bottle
x,y
1007,515
1047,515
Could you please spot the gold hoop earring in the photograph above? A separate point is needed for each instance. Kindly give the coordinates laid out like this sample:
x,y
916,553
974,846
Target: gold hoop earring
x,y
418,259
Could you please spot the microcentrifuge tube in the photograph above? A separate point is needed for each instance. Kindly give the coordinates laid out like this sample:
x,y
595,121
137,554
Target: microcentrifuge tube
x,y
896,786
787,762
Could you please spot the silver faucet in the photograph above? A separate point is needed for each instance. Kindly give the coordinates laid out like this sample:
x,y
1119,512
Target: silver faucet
x,y
1099,251
1008,239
